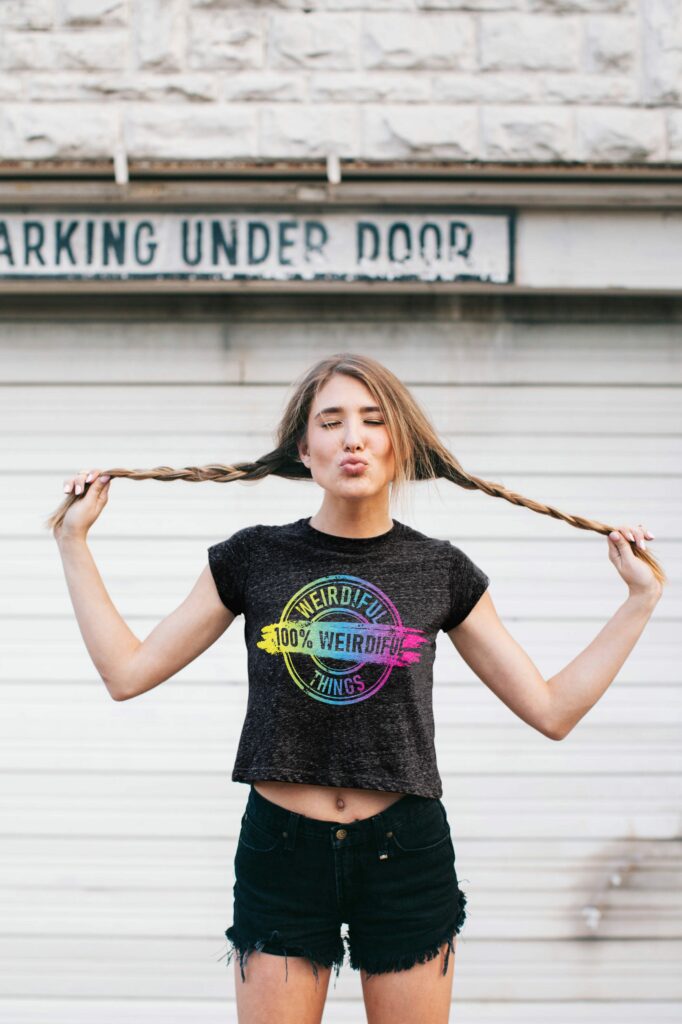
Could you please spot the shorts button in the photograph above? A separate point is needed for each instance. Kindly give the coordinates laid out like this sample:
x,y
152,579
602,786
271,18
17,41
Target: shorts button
x,y
341,833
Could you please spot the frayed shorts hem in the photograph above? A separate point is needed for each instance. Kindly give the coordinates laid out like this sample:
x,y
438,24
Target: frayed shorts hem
x,y
335,959
272,944
391,964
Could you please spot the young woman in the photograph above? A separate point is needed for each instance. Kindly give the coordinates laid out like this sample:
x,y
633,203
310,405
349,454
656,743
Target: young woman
x,y
343,821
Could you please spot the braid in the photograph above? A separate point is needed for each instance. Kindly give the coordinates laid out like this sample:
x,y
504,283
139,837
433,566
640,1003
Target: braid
x,y
275,463
437,463
451,470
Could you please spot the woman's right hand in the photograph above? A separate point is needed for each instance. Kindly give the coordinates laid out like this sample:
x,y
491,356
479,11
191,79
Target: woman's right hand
x,y
92,491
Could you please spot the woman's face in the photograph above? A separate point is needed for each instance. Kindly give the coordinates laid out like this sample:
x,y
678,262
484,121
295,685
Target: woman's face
x,y
345,422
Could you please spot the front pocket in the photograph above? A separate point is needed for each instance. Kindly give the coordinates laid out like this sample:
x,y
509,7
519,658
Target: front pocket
x,y
254,837
420,836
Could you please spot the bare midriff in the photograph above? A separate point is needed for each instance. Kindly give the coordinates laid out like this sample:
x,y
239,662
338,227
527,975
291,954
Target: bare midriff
x,y
328,803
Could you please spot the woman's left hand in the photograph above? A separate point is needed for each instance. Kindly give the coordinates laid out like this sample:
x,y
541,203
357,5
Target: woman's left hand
x,y
636,573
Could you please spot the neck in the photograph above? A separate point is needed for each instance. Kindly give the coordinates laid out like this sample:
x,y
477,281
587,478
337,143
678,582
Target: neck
x,y
356,519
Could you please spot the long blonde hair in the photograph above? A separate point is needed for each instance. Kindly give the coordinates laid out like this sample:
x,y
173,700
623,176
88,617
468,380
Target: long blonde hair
x,y
419,452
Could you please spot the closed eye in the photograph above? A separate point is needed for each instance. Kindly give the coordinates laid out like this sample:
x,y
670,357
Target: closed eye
x,y
333,423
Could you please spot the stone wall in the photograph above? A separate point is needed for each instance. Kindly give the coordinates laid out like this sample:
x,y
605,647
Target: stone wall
x,y
464,80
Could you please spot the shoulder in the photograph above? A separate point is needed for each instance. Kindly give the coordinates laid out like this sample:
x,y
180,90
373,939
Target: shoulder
x,y
465,569
437,545
236,548
240,538
454,556
248,538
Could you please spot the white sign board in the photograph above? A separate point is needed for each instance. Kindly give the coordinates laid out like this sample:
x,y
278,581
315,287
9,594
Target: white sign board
x,y
418,245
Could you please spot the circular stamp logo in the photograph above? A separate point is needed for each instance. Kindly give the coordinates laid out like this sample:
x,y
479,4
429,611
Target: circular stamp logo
x,y
340,638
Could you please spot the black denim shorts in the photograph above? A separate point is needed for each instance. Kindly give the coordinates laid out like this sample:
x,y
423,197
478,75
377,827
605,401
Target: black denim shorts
x,y
391,878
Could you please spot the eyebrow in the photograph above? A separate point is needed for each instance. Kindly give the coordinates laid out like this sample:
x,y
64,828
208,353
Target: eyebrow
x,y
339,408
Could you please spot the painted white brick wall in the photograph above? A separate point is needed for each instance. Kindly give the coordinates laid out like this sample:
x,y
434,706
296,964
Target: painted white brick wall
x,y
475,80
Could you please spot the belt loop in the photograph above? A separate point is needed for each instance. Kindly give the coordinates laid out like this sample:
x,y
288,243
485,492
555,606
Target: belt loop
x,y
290,831
382,845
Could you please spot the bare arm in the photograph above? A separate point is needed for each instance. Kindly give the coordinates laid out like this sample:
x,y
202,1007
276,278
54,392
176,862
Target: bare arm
x,y
578,686
556,705
127,665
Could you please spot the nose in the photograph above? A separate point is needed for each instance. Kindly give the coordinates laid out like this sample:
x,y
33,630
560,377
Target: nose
x,y
352,439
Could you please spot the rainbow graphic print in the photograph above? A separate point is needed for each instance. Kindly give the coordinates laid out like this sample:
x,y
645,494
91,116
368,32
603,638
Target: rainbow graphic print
x,y
341,637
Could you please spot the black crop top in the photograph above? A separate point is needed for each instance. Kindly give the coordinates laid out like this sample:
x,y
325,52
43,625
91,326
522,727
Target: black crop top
x,y
341,638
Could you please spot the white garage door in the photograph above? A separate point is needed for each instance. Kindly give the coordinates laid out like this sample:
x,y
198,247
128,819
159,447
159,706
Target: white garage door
x,y
119,820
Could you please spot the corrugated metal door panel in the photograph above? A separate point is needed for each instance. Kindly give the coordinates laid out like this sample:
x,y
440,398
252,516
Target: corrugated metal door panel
x,y
552,813
220,413
120,820
181,741
227,352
